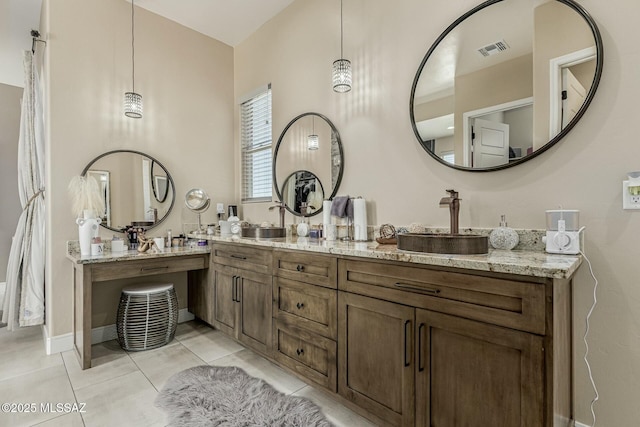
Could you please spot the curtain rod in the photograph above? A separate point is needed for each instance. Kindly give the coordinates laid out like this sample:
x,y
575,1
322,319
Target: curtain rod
x,y
35,34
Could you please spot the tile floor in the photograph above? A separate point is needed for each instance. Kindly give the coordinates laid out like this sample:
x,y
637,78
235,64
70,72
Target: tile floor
x,y
120,388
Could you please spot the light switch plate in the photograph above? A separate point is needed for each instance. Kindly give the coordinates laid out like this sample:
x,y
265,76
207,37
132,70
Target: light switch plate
x,y
629,201
220,208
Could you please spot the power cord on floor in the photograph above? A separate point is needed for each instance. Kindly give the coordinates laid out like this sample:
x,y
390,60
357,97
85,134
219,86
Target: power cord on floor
x,y
584,338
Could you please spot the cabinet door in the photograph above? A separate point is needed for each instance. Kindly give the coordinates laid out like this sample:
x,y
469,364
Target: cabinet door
x,y
375,357
225,297
254,294
470,374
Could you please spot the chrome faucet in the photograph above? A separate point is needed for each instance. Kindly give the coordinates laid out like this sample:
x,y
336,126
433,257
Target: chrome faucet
x,y
281,206
453,202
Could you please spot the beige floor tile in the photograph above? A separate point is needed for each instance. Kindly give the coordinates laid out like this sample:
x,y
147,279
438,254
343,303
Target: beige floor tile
x,y
335,412
209,344
160,364
192,328
108,361
68,420
260,367
49,385
23,351
123,401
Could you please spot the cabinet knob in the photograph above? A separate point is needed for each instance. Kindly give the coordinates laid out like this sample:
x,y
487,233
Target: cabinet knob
x,y
300,351
300,267
300,305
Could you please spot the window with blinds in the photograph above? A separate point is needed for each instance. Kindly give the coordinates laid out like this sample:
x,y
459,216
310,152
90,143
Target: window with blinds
x,y
255,122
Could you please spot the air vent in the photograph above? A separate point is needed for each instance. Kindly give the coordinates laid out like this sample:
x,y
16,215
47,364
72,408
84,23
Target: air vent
x,y
494,48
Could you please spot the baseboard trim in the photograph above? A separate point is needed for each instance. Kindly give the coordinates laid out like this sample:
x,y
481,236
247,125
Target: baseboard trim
x,y
61,343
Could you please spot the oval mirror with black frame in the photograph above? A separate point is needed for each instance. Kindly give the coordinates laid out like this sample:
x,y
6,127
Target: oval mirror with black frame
x,y
159,182
126,180
505,82
303,188
307,159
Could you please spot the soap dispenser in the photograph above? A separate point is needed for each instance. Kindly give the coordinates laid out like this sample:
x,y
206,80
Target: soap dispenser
x,y
503,237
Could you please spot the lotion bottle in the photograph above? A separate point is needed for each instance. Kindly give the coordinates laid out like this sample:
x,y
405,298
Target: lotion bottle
x,y
504,237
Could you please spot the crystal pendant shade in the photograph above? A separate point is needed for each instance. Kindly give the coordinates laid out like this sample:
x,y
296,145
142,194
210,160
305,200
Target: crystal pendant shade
x,y
342,75
313,142
133,105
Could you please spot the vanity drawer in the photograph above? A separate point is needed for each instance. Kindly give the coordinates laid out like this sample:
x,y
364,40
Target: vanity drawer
x,y
311,268
500,301
137,268
308,354
306,306
242,256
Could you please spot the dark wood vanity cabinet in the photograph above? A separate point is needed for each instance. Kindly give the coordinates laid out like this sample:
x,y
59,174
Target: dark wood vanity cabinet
x,y
428,347
305,315
240,291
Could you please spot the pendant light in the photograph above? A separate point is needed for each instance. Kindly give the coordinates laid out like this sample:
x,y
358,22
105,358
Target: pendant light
x,y
313,140
341,67
133,100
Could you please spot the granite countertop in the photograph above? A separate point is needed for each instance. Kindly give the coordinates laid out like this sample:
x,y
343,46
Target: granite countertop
x,y
528,263
133,255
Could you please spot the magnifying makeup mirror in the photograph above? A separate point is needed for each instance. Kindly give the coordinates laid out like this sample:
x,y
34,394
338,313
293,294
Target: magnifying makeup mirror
x,y
197,201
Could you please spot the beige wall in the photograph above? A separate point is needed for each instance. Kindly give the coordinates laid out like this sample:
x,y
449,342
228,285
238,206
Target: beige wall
x,y
10,97
384,162
185,79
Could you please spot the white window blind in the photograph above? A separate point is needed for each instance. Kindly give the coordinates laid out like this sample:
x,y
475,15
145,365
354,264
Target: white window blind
x,y
256,138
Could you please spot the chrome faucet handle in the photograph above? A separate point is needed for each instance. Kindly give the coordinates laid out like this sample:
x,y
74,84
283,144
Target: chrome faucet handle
x,y
453,193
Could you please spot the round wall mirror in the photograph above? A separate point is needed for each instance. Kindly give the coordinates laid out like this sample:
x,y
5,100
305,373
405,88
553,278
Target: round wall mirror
x,y
303,188
126,179
505,82
308,159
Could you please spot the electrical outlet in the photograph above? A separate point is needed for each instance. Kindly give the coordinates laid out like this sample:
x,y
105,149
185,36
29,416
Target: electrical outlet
x,y
629,201
220,208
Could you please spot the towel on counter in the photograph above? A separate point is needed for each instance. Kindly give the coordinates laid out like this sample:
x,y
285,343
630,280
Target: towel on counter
x,y
342,207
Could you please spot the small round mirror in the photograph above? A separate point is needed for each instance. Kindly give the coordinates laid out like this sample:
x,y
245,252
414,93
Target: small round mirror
x,y
303,188
197,200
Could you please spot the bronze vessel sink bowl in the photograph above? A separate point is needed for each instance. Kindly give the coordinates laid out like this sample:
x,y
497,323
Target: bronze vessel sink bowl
x,y
455,244
264,232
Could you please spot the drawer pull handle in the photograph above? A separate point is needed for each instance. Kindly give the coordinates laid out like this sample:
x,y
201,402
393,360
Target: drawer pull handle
x,y
417,288
300,351
238,256
300,305
154,268
300,267
406,342
420,349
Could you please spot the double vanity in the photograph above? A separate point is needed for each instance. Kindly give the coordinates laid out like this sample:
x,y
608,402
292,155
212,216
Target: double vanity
x,y
404,338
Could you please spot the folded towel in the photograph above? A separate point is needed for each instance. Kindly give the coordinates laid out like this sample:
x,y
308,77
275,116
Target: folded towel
x,y
342,207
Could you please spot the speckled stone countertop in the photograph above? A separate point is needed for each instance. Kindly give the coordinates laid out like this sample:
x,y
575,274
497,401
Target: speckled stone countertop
x,y
529,263
132,255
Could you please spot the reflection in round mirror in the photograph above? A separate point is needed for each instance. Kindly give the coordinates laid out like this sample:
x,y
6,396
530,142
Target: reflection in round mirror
x,y
303,188
505,82
197,200
125,178
309,146
159,182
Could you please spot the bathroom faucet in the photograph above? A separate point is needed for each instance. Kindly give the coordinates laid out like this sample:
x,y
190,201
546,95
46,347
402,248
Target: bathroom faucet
x,y
281,207
453,202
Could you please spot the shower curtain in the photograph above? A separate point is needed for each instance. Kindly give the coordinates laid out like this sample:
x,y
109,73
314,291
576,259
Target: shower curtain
x,y
24,297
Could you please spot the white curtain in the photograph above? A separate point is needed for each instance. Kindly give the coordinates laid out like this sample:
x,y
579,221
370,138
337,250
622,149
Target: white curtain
x,y
24,298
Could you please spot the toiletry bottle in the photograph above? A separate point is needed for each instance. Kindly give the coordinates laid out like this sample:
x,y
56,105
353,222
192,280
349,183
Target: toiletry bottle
x,y
503,237
169,238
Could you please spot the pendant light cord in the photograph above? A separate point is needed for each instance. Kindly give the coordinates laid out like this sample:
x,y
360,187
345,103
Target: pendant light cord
x,y
133,52
341,37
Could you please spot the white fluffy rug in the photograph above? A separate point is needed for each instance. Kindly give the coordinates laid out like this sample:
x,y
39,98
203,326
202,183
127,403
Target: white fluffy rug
x,y
227,396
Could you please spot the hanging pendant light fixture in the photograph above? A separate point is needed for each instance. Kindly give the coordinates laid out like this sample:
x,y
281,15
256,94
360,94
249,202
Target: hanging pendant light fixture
x,y
133,100
341,67
313,140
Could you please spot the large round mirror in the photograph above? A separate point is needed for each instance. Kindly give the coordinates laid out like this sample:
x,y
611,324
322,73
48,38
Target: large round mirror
x,y
505,82
307,163
126,178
